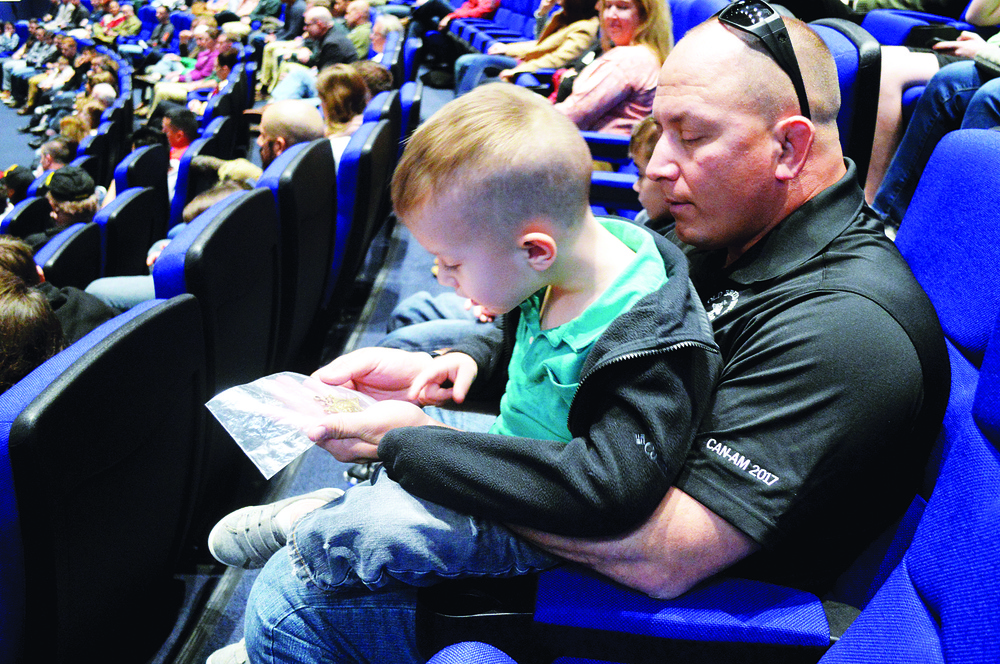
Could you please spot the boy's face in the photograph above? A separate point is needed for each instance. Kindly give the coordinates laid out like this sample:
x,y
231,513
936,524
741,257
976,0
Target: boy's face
x,y
650,198
491,271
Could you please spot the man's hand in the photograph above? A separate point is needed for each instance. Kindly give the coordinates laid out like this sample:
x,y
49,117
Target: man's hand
x,y
967,45
429,388
354,437
381,373
680,545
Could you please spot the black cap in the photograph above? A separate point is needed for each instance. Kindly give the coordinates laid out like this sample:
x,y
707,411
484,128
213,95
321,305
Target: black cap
x,y
18,178
70,183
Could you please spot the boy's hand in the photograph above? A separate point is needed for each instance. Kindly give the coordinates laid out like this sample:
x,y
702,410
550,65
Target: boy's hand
x,y
430,389
381,373
354,437
967,45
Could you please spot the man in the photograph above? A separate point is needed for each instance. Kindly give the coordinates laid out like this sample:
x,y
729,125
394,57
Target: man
x,y
180,126
329,47
55,154
833,388
358,20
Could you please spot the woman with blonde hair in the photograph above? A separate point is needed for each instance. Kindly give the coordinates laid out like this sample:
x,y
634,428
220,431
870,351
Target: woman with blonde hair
x,y
343,97
564,37
616,90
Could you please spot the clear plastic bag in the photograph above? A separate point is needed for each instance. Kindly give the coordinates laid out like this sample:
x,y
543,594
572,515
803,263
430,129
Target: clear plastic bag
x,y
268,418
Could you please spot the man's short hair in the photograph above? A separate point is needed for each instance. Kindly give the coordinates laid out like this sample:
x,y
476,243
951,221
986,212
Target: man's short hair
x,y
228,58
183,120
513,155
61,150
146,135
295,120
320,15
377,77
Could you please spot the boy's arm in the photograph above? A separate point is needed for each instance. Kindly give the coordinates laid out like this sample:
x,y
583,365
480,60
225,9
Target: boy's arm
x,y
631,437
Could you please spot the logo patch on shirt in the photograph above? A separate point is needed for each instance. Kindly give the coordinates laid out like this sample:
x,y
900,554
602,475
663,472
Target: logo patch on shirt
x,y
722,303
647,448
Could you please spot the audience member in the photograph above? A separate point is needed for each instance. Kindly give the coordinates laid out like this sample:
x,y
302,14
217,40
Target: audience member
x,y
385,25
8,39
781,252
343,97
160,39
376,76
29,330
118,21
959,96
73,196
78,312
329,47
359,25
55,154
16,180
566,36
616,90
655,212
281,43
453,190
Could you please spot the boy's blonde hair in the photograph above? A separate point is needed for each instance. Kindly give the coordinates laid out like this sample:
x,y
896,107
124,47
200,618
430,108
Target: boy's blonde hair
x,y
645,134
511,154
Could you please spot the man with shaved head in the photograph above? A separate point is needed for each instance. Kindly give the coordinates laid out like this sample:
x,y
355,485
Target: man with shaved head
x,y
834,379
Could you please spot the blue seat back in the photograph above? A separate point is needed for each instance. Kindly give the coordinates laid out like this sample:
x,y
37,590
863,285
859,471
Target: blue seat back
x,y
685,14
73,256
29,216
303,181
128,225
101,482
147,167
363,178
858,57
188,183
229,258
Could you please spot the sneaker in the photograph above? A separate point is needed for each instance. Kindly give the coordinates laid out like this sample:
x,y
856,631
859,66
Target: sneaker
x,y
248,537
235,653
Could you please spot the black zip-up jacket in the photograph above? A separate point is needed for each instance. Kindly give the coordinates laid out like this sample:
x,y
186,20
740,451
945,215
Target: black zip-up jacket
x,y
644,387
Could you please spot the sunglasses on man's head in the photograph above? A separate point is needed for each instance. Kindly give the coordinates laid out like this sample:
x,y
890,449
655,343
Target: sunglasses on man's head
x,y
764,22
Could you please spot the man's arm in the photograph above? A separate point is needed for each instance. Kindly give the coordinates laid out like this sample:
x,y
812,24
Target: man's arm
x,y
682,544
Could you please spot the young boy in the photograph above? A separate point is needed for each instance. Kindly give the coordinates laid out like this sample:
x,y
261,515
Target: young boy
x,y
597,317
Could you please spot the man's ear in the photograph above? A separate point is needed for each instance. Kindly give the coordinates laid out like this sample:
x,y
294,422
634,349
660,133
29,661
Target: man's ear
x,y
280,143
540,249
795,136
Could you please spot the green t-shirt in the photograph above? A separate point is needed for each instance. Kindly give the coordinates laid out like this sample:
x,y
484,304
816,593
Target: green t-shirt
x,y
544,369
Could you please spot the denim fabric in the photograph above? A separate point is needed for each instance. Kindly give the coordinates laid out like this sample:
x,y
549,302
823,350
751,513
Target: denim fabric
x,y
955,97
291,621
123,292
425,322
298,83
378,535
470,69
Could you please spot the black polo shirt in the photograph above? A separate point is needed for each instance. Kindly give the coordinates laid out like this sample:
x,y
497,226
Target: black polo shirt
x,y
832,392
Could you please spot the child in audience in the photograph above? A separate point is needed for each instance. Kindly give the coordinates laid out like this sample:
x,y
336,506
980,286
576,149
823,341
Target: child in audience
x,y
590,306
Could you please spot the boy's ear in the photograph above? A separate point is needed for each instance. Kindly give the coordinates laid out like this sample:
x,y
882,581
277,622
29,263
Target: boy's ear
x,y
540,249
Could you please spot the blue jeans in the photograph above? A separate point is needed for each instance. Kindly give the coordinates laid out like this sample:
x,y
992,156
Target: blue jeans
x,y
470,69
378,535
123,292
299,83
422,322
292,621
955,97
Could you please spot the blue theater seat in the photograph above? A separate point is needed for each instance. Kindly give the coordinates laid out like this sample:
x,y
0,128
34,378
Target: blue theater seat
x,y
73,256
362,185
147,167
99,450
128,226
303,181
30,216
